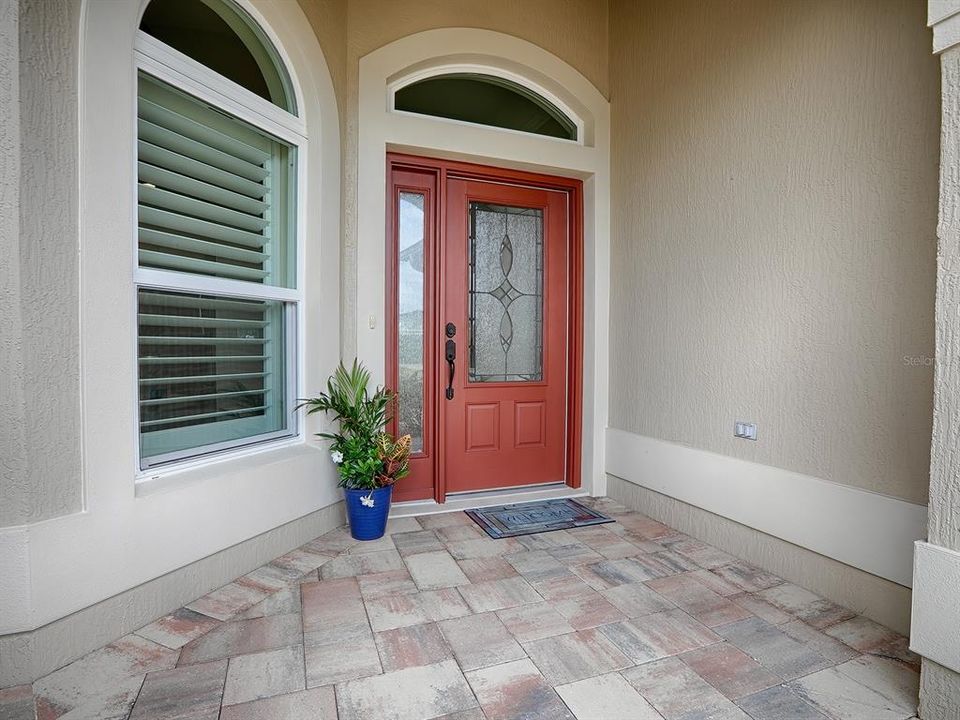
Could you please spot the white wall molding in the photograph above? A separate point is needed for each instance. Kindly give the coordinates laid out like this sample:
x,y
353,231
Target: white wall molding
x,y
935,624
943,16
380,129
866,530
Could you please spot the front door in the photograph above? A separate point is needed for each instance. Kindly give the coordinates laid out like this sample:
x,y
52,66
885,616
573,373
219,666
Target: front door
x,y
484,353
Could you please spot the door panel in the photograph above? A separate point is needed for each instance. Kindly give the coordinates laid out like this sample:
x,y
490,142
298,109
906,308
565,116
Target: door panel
x,y
505,258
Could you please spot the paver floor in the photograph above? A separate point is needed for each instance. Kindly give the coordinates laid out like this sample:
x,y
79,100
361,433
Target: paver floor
x,y
629,620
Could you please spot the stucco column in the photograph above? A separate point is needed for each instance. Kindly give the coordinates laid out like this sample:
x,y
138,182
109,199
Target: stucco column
x,y
940,685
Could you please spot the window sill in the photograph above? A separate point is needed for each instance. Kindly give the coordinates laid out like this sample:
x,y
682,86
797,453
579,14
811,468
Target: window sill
x,y
210,469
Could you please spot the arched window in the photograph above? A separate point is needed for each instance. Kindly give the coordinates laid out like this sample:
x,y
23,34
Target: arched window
x,y
218,147
485,100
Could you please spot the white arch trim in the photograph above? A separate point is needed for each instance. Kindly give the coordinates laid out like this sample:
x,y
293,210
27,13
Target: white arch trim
x,y
127,535
381,129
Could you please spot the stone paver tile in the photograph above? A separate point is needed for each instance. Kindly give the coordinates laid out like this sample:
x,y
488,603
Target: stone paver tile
x,y
480,640
361,564
664,563
747,577
390,612
607,543
636,600
537,565
895,681
482,548
840,697
779,703
484,569
698,600
576,553
830,648
241,637
315,704
104,682
471,714
732,672
435,570
704,555
544,540
604,697
761,608
262,675
333,612
412,646
674,689
516,691
588,611
498,594
230,600
178,628
413,693
773,649
867,636
645,527
280,603
398,525
332,543
333,662
365,547
534,621
392,582
181,693
454,533
563,588
16,703
805,605
567,658
714,582
439,520
273,577
659,635
302,560
414,543
604,504
610,573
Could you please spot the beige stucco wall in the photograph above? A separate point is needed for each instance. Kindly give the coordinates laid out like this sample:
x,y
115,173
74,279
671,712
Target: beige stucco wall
x,y
574,30
773,243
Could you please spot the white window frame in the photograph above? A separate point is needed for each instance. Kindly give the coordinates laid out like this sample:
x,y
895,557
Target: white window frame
x,y
158,60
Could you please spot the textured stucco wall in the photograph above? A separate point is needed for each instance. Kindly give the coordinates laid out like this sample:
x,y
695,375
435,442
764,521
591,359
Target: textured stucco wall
x,y
574,30
940,687
773,224
41,441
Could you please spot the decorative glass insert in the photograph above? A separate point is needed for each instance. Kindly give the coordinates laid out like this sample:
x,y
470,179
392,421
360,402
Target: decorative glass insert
x,y
211,372
410,242
506,293
485,100
220,35
215,195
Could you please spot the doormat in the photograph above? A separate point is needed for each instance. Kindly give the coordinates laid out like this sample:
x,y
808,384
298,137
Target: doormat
x,y
535,517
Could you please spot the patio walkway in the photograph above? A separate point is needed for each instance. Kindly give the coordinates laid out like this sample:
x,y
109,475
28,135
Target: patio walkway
x,y
623,621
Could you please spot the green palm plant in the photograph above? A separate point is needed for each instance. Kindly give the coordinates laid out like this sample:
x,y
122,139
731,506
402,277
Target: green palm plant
x,y
362,417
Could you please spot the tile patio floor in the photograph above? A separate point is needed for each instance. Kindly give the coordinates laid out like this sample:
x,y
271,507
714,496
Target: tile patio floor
x,y
623,621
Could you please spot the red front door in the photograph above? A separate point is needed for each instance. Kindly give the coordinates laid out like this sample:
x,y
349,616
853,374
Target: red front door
x,y
483,325
505,295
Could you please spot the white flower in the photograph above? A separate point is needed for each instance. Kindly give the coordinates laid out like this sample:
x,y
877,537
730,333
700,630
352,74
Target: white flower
x,y
336,456
367,500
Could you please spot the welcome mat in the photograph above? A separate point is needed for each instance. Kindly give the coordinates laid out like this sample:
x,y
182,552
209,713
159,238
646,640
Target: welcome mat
x,y
535,517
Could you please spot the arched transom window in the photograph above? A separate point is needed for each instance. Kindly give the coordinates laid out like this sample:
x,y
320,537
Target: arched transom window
x,y
219,147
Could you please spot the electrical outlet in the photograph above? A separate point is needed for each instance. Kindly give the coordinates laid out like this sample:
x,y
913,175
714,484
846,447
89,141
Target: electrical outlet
x,y
745,430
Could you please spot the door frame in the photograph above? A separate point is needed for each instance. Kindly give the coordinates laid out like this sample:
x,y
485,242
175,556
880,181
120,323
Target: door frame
x,y
441,169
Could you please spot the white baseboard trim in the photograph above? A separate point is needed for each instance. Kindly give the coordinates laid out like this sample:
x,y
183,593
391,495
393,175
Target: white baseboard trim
x,y
935,620
866,530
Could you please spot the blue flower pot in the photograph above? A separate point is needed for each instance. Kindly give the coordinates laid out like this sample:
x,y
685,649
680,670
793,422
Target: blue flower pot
x,y
367,512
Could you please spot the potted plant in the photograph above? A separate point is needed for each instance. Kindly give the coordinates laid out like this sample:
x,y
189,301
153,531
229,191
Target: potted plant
x,y
369,460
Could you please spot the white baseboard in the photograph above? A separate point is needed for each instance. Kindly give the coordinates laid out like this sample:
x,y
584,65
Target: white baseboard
x,y
935,621
866,530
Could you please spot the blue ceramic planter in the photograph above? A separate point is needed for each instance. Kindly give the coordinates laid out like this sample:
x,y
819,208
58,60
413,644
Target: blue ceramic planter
x,y
368,522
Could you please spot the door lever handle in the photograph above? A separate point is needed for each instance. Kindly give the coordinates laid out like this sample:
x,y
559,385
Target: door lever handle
x,y
451,353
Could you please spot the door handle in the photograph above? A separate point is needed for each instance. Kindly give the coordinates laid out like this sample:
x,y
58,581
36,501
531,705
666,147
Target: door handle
x,y
451,353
